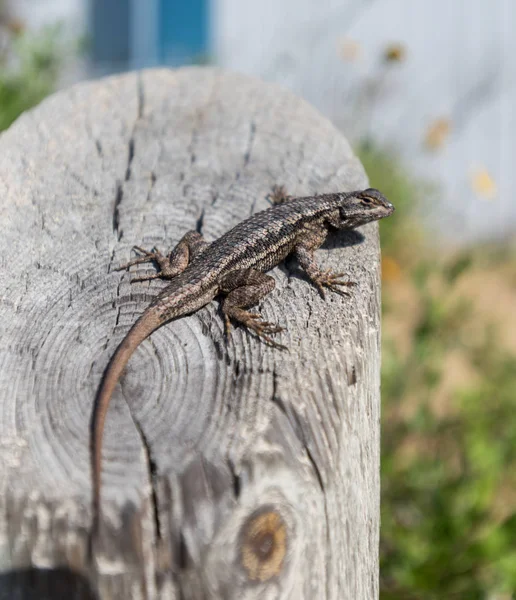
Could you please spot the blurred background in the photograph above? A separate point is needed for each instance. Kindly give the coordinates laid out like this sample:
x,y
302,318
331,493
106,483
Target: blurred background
x,y
425,92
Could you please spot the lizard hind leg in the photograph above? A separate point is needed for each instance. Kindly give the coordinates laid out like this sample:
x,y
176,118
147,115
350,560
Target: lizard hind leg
x,y
190,245
244,289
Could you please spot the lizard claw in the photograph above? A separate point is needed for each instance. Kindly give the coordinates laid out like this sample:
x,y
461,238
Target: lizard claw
x,y
154,254
278,195
263,329
332,281
166,269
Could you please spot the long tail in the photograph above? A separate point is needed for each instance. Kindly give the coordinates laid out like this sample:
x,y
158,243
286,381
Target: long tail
x,y
145,325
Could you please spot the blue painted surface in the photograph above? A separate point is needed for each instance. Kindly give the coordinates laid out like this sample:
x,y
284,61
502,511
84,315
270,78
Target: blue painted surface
x,y
142,33
109,24
183,31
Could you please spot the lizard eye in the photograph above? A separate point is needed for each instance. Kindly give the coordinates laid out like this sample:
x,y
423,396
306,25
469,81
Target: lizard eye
x,y
367,200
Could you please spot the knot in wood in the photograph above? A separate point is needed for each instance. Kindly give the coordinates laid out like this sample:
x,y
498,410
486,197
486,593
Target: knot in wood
x,y
264,545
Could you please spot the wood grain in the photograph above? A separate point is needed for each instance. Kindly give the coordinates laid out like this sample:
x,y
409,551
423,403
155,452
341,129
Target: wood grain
x,y
230,471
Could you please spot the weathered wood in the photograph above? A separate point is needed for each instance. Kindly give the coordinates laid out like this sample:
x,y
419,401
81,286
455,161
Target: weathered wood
x,y
229,472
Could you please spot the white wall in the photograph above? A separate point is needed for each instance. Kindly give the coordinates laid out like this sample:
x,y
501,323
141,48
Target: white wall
x,y
36,13
460,65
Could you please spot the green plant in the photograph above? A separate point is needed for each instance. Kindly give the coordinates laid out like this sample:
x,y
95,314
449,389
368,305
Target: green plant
x,y
446,530
386,172
29,71
448,457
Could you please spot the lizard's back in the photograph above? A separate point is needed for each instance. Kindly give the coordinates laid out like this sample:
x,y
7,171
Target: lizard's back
x,y
249,244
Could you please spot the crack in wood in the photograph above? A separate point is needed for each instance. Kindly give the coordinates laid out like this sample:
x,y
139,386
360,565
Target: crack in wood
x,y
236,480
250,141
152,476
119,196
315,466
297,429
116,215
200,221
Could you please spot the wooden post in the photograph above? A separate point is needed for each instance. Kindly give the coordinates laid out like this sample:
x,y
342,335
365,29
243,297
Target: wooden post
x,y
230,471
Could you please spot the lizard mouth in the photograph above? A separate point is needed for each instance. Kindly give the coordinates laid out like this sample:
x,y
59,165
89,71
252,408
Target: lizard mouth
x,y
389,208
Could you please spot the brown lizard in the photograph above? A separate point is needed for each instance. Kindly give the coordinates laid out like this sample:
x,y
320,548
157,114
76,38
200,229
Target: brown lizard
x,y
234,266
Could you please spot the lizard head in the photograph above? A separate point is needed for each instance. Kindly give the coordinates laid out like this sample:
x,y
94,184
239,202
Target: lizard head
x,y
359,208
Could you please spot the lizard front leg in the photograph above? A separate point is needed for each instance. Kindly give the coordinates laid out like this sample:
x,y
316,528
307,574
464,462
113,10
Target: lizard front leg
x,y
304,252
244,289
191,244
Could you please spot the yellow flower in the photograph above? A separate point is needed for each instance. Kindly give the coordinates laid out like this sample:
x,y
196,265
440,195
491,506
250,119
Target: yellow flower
x,y
437,133
348,49
391,270
483,184
395,52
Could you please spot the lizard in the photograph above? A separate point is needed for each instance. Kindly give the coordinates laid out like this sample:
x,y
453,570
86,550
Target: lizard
x,y
235,266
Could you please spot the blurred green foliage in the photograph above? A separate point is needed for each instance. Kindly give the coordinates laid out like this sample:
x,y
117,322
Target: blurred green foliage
x,y
386,172
30,66
448,526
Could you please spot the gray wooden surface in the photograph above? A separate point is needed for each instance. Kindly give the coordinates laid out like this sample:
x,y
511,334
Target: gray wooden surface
x,y
233,471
